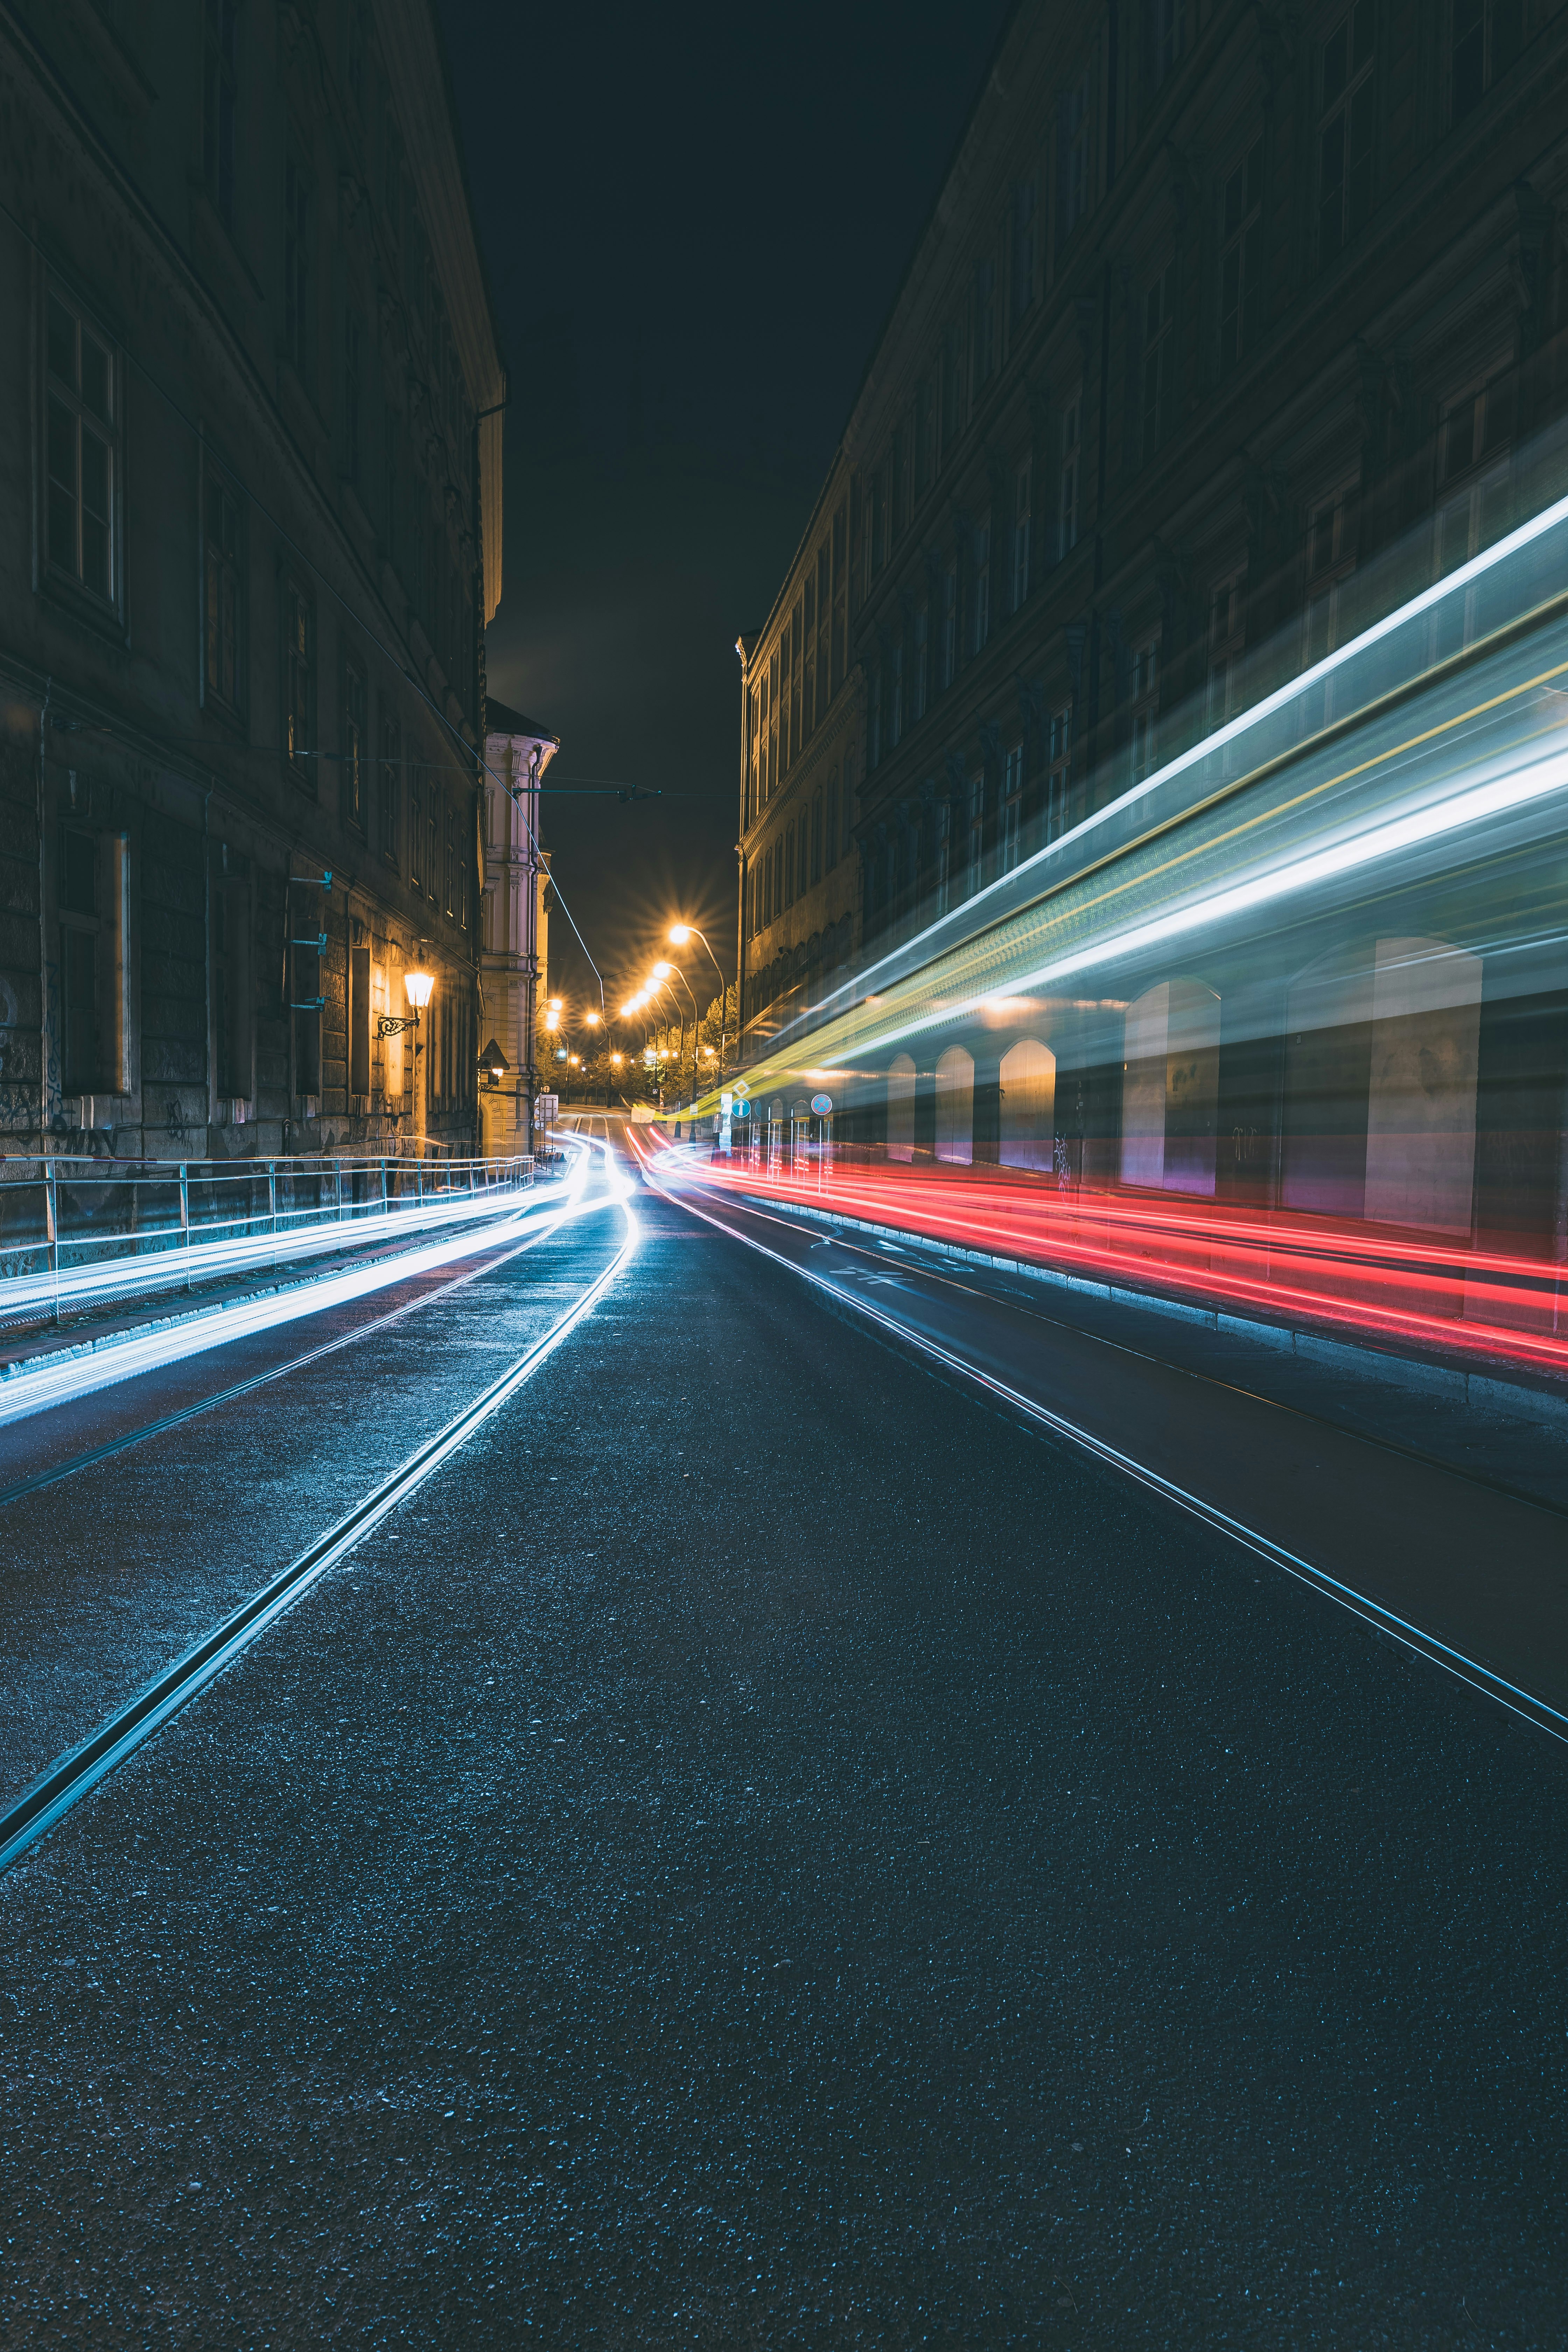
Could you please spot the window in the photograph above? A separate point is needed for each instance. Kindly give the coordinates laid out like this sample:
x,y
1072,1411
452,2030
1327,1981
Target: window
x,y
816,838
352,364
233,1045
1155,403
1024,243
984,322
1145,709
439,839
922,661
1023,502
416,836
789,889
78,962
1227,638
391,786
824,624
1072,157
297,271
1487,39
874,715
1013,808
1240,210
392,189
219,63
831,847
1346,140
1058,771
982,612
878,521
354,746
1067,504
224,592
1170,35
82,433
975,860
950,625
300,685
951,390
1330,562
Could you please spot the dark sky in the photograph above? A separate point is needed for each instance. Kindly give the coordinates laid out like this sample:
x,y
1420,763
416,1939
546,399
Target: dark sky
x,y
694,220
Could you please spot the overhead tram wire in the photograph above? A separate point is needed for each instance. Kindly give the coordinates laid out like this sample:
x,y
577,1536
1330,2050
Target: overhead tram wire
x,y
473,759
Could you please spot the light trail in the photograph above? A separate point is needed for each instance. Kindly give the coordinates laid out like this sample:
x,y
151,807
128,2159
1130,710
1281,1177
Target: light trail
x,y
69,1374
1279,1267
71,1777
28,1295
1402,1629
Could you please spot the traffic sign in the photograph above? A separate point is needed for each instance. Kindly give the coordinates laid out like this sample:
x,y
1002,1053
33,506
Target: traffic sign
x,y
822,1105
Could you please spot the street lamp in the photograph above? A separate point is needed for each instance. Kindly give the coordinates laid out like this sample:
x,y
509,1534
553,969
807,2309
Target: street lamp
x,y
417,986
679,934
494,1062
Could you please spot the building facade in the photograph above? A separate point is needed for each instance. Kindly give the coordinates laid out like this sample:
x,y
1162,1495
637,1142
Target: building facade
x,y
514,955
1218,306
252,519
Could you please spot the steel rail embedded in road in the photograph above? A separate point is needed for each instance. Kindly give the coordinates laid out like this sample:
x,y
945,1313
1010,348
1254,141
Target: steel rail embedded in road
x,y
72,1775
1386,1621
67,1469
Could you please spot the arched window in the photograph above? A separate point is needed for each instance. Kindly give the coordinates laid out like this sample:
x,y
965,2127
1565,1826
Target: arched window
x,y
955,1106
1170,1087
1028,1104
1380,1084
901,1108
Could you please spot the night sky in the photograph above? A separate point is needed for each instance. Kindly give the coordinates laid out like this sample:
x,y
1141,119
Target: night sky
x,y
694,221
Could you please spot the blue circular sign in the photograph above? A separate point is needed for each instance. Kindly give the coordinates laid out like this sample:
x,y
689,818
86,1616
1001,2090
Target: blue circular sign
x,y
822,1105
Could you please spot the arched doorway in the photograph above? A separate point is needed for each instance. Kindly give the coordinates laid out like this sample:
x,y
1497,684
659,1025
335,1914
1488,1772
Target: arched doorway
x,y
955,1106
1170,1087
1028,1104
901,1108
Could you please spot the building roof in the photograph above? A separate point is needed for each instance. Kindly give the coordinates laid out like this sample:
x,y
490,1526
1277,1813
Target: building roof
x,y
501,720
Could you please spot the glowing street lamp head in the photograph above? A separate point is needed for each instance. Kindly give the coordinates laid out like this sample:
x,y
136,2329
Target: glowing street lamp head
x,y
551,1020
662,971
628,1008
679,934
418,985
555,1004
593,1020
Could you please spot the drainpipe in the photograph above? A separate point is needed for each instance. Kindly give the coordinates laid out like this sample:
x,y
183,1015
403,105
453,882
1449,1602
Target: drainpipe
x,y
43,935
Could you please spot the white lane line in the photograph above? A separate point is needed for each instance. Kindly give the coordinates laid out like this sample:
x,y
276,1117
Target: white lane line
x,y
71,1775
1410,1636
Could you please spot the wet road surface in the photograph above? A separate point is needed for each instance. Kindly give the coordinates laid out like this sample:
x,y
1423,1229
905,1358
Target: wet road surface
x,y
760,1852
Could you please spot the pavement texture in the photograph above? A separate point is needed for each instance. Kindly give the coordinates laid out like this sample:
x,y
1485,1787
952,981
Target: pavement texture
x,y
758,1853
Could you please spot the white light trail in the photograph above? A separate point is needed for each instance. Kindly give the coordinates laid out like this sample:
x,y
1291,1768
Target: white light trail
x,y
65,1376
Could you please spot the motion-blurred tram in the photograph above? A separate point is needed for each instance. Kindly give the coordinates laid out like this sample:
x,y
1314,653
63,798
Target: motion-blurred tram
x,y
1287,1022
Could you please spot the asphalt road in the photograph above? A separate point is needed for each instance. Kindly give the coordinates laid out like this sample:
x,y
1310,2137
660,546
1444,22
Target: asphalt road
x,y
762,1851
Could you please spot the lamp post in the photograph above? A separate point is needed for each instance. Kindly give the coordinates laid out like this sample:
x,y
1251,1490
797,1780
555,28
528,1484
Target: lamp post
x,y
679,934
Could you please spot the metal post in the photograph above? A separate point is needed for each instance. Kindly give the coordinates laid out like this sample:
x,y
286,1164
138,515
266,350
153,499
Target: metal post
x,y
272,1204
186,1215
52,1230
385,1206
338,1181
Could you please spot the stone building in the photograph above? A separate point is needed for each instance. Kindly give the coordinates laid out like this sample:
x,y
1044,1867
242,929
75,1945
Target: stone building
x,y
251,501
1218,306
514,933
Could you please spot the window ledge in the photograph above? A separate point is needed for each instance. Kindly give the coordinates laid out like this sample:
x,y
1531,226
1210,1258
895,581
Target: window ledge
x,y
69,598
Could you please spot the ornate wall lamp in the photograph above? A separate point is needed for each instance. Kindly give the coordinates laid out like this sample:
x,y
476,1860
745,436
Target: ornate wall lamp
x,y
418,985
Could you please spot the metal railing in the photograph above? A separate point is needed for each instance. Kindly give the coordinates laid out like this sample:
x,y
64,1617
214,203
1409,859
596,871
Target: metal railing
x,y
76,1231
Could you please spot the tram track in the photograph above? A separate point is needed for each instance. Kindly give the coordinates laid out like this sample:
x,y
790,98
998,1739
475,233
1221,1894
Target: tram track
x,y
57,1471
955,1364
73,1775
